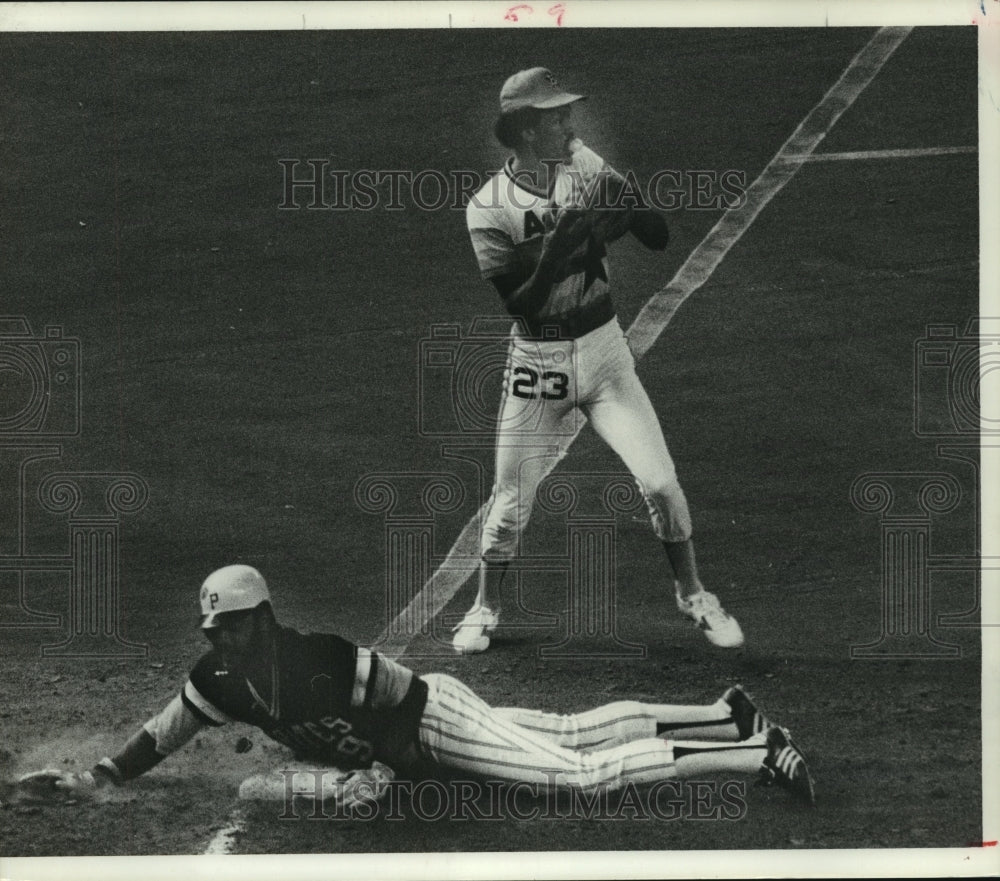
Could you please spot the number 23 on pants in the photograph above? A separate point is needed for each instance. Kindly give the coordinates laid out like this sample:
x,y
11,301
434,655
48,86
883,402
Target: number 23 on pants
x,y
554,384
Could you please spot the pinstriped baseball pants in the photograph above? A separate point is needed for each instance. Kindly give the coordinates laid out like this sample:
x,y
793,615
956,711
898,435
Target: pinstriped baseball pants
x,y
550,388
602,748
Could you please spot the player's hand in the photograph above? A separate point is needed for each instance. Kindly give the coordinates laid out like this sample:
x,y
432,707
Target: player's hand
x,y
572,228
53,786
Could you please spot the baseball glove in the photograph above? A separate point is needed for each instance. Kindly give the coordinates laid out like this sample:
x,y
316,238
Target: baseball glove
x,y
54,786
613,208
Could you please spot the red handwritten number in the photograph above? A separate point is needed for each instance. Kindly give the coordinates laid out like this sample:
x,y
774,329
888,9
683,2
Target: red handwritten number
x,y
514,10
557,11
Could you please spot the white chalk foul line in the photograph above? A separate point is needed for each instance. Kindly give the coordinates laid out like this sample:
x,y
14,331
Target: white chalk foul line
x,y
912,153
704,260
460,564
656,314
461,561
225,839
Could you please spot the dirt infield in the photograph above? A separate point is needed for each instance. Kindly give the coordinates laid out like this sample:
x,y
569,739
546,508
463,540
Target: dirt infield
x,y
250,364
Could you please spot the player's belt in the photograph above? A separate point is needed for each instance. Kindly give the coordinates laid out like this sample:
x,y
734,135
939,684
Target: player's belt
x,y
572,326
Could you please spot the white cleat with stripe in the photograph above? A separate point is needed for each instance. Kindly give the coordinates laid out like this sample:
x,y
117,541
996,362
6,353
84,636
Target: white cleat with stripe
x,y
472,634
719,627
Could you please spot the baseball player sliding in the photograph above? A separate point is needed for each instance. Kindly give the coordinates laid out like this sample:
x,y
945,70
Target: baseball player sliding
x,y
341,705
540,238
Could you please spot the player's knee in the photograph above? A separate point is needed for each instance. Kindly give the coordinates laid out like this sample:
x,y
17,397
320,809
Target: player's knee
x,y
668,509
500,537
498,547
509,514
510,505
664,491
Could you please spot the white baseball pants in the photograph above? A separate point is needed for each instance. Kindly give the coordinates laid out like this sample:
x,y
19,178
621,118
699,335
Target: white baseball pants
x,y
550,386
461,731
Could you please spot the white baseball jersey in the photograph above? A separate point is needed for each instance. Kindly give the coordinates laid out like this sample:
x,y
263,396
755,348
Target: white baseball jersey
x,y
507,220
571,361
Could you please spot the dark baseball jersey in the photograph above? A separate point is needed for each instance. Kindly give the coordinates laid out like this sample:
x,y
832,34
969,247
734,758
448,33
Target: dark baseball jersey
x,y
327,699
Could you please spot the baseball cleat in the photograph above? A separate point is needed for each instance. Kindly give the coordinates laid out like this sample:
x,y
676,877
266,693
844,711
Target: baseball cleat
x,y
471,633
719,627
786,766
749,720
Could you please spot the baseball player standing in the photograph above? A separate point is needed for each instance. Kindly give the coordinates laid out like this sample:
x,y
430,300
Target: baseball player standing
x,y
338,704
544,250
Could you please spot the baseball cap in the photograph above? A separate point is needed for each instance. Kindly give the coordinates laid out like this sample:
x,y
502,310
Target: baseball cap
x,y
537,88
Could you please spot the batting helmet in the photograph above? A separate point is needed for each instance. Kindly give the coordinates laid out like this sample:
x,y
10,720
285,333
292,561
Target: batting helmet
x,y
231,589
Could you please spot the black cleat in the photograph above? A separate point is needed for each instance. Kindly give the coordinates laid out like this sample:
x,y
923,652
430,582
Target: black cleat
x,y
786,766
749,720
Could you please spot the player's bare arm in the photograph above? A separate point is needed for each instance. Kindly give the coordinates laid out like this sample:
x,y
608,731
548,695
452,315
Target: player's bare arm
x,y
138,755
174,725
